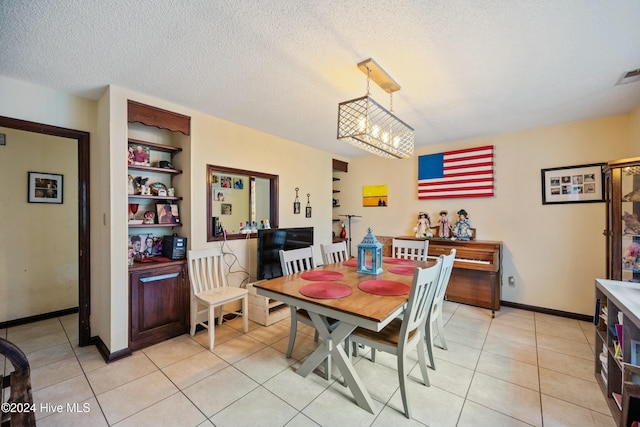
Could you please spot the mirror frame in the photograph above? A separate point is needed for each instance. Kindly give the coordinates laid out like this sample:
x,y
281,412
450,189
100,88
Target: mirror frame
x,y
273,208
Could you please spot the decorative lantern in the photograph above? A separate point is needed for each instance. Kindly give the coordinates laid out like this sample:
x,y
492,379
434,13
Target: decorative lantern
x,y
370,248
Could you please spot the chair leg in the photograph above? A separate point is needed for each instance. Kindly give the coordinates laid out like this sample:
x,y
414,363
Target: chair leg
x,y
221,318
428,337
422,361
245,314
402,378
292,331
212,327
440,324
194,316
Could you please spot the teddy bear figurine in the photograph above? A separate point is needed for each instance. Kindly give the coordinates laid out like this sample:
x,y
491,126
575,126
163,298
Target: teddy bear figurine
x,y
423,228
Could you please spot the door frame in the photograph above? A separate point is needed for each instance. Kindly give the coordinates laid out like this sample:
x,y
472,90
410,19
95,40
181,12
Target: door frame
x,y
84,259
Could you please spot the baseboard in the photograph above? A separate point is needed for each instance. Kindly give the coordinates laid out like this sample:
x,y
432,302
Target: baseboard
x,y
577,316
38,317
105,352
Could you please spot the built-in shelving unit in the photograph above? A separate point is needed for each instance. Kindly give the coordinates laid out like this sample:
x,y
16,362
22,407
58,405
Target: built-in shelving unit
x,y
158,291
617,343
339,167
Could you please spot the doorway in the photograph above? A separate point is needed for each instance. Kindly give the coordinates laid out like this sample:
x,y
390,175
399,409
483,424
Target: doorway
x,y
84,266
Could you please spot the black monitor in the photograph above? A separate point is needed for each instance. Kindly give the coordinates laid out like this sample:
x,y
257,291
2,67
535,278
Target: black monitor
x,y
271,241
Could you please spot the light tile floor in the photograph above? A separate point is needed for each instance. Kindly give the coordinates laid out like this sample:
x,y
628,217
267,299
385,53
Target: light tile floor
x,y
519,369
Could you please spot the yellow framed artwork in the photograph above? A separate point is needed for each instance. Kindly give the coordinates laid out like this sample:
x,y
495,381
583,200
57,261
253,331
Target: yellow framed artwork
x,y
374,195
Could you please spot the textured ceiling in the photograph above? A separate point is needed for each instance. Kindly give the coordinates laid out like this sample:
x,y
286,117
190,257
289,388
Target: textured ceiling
x,y
467,68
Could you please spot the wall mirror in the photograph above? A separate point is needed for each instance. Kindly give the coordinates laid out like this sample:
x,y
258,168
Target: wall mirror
x,y
237,196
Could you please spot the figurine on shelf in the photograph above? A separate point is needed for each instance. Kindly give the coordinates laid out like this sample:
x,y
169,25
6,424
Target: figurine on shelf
x,y
444,228
423,228
131,188
462,227
343,232
631,223
130,156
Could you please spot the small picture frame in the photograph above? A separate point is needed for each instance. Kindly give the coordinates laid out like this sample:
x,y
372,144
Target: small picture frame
x,y
167,213
44,188
225,209
138,155
573,184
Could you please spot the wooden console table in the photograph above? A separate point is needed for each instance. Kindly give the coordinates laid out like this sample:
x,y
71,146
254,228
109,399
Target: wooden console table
x,y
477,270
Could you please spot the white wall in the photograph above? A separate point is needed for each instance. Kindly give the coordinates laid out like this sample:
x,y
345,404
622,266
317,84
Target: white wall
x,y
38,257
553,251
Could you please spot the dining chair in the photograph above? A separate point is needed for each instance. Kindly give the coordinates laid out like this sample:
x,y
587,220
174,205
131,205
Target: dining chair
x,y
404,334
296,261
334,252
210,291
435,315
416,250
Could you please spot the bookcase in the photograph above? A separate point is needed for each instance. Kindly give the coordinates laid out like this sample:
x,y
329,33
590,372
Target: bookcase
x,y
617,345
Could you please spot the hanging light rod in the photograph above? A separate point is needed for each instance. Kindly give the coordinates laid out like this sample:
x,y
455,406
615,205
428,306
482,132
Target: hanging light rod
x,y
378,75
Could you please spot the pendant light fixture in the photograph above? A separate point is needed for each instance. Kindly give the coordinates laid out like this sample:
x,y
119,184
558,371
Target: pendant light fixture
x,y
368,125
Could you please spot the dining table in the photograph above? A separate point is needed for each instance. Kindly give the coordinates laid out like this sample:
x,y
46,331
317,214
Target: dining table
x,y
337,291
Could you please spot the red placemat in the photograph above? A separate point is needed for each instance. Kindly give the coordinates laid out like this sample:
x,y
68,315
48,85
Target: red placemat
x,y
325,275
353,262
404,270
384,287
326,290
397,261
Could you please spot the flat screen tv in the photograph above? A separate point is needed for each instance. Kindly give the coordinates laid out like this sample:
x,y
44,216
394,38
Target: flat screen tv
x,y
271,241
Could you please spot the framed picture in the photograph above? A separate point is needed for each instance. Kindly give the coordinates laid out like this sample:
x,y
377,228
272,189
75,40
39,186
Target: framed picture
x,y
44,188
225,209
138,155
167,213
573,184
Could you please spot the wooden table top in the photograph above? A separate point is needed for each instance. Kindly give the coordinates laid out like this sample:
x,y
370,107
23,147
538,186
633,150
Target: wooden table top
x,y
376,308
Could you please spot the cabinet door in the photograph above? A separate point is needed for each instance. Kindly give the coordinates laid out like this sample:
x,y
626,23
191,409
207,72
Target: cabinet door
x,y
159,305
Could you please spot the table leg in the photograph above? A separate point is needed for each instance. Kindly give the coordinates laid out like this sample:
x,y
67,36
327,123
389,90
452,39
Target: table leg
x,y
330,347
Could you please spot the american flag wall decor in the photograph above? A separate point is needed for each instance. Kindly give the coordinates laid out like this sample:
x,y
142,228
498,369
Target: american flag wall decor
x,y
459,173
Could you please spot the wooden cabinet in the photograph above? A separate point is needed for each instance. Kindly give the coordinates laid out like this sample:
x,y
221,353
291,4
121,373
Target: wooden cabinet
x,y
159,302
617,314
622,197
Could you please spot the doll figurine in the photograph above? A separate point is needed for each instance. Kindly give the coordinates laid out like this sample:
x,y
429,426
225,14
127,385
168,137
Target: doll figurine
x,y
462,227
423,228
444,229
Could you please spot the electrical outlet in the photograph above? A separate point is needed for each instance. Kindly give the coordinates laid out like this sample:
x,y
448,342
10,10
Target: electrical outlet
x,y
512,282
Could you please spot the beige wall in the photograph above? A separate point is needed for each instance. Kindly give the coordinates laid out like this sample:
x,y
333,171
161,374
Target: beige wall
x,y
553,251
38,257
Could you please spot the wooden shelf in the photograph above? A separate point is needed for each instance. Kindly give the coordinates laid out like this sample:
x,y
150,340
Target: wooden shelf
x,y
154,225
155,169
140,196
156,146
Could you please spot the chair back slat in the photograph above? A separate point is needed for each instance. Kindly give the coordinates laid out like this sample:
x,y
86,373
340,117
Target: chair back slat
x,y
206,270
297,260
445,275
415,250
423,290
334,252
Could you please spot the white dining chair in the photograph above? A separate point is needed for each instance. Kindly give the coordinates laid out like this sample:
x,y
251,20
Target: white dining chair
x,y
404,334
296,261
210,291
435,316
334,252
416,250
